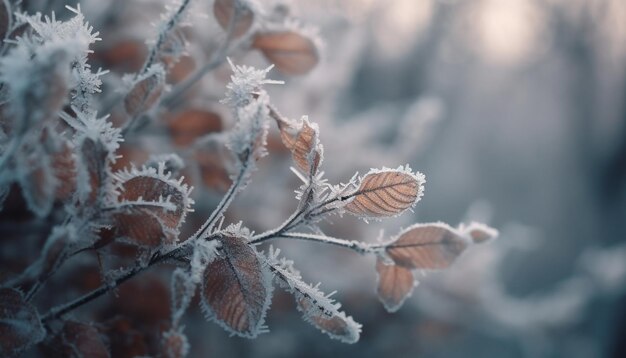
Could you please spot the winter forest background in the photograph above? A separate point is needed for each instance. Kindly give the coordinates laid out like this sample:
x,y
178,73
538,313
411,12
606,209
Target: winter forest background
x,y
514,110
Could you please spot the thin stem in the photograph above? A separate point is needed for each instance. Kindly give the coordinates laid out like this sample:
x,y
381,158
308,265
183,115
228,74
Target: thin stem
x,y
164,34
359,247
223,205
217,59
61,310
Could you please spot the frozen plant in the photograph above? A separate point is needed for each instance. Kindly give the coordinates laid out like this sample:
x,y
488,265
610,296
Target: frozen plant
x,y
62,154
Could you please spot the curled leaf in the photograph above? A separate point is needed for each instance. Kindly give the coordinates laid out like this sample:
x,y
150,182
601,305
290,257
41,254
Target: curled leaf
x,y
385,193
91,174
236,288
291,52
20,326
395,284
427,246
224,11
145,92
479,232
151,206
302,139
318,309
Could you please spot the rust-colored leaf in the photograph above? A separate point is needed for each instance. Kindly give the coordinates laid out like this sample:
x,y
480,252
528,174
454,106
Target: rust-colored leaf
x,y
91,172
427,246
337,325
236,288
395,284
480,232
291,52
174,344
64,166
77,339
302,139
187,126
385,193
224,11
20,326
144,94
141,228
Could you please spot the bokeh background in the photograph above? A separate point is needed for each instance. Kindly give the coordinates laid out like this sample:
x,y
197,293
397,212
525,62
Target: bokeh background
x,y
515,110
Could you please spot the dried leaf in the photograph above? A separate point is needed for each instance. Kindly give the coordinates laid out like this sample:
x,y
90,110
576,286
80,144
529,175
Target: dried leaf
x,y
5,18
174,344
183,290
91,173
427,246
236,288
385,193
302,140
335,324
395,284
20,326
479,232
141,229
291,52
192,124
78,340
224,10
64,166
144,94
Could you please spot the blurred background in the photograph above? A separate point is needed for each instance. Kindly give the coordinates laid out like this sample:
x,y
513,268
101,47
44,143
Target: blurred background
x,y
515,110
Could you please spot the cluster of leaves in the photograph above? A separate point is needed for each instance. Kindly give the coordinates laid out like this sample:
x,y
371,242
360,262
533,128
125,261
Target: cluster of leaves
x,y
64,157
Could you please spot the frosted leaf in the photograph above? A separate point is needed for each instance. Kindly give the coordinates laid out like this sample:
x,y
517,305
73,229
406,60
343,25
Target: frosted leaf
x,y
213,160
302,139
385,193
236,288
64,166
172,162
145,91
291,52
150,206
318,309
427,246
91,174
37,180
5,18
395,284
479,232
20,326
245,84
174,344
183,290
224,10
77,339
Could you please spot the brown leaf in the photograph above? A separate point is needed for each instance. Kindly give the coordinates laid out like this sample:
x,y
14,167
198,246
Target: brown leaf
x,y
224,10
175,344
144,94
20,326
91,172
337,325
302,140
385,193
292,53
64,166
5,18
141,228
480,232
395,284
78,340
236,288
427,246
189,125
